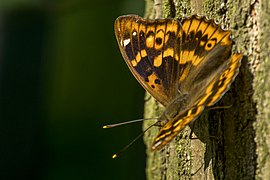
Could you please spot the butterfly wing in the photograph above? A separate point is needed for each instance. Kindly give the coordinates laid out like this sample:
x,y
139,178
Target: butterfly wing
x,y
205,51
207,75
148,47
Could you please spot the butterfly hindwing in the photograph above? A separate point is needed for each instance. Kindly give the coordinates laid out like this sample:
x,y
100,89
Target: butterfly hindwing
x,y
221,83
211,94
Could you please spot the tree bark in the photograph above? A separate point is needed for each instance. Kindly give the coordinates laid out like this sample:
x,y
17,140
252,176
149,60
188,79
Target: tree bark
x,y
240,149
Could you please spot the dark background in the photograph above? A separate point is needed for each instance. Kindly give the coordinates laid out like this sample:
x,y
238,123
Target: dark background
x,y
62,78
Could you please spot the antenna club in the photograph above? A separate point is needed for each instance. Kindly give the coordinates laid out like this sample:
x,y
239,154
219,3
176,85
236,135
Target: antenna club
x,y
114,156
105,127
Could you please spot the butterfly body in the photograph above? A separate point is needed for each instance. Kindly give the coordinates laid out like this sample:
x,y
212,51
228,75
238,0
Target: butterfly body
x,y
184,64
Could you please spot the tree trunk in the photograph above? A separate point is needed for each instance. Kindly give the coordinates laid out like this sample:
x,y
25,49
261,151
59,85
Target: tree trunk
x,y
231,143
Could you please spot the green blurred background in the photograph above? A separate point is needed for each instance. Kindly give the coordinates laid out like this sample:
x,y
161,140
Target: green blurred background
x,y
62,78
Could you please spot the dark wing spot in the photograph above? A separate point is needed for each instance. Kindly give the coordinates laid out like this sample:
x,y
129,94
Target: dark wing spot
x,y
129,51
204,38
198,34
158,41
157,81
153,86
209,45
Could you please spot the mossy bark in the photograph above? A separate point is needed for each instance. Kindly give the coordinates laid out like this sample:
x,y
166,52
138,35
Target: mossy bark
x,y
231,143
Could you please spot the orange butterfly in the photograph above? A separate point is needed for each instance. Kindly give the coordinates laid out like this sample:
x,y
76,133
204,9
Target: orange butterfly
x,y
186,65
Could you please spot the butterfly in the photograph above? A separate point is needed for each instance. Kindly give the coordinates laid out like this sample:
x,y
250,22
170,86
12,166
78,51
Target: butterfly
x,y
185,64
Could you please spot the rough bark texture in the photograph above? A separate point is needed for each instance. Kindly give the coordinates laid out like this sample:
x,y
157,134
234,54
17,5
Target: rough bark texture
x,y
240,149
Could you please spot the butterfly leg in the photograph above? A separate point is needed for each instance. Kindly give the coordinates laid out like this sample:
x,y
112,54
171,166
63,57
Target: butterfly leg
x,y
158,124
192,126
220,107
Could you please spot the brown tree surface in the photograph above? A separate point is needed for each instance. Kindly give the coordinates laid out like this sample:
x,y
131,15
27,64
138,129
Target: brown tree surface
x,y
231,143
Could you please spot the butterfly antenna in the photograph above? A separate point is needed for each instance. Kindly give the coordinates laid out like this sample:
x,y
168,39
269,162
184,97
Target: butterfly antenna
x,y
128,122
135,139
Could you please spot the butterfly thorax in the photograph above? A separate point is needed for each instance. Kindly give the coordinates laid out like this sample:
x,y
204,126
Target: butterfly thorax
x,y
174,109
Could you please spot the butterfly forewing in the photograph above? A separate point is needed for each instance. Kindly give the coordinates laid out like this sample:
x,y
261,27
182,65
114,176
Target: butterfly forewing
x,y
149,49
